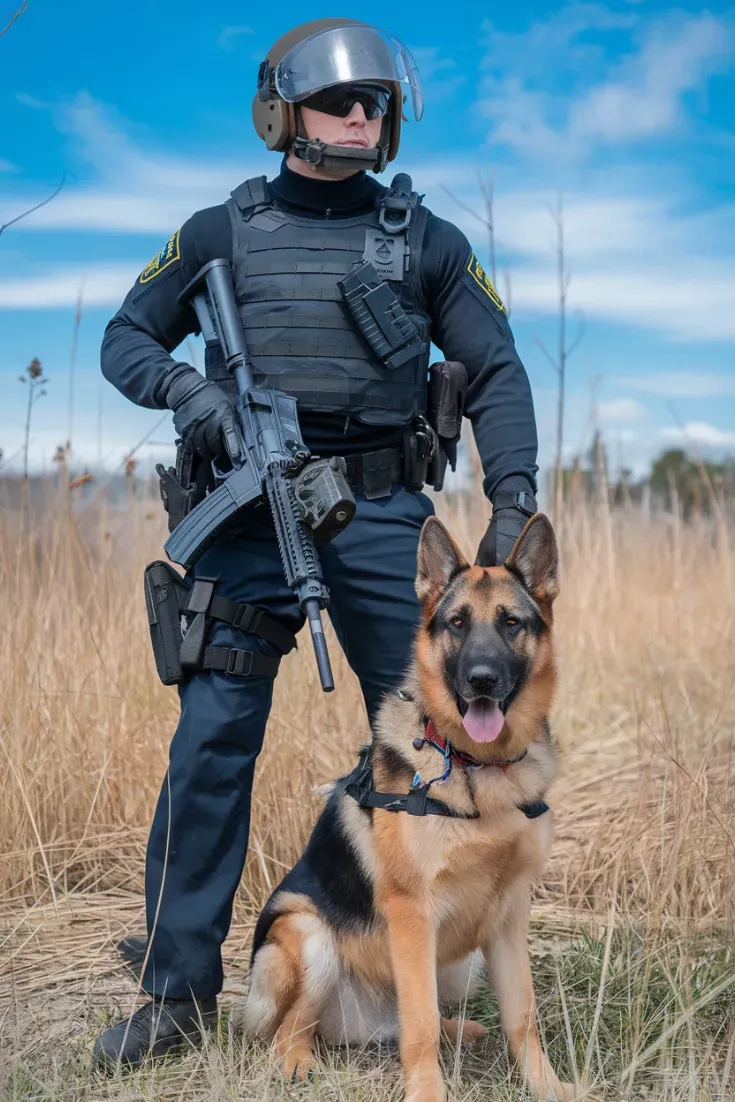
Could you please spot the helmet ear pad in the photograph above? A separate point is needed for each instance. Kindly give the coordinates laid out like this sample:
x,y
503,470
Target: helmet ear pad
x,y
275,122
393,123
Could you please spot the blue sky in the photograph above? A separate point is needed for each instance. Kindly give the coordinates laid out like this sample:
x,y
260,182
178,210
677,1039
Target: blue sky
x,y
627,108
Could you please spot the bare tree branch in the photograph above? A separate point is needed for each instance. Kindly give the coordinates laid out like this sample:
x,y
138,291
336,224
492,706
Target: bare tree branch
x,y
38,206
565,350
463,206
580,333
13,18
508,293
540,344
488,194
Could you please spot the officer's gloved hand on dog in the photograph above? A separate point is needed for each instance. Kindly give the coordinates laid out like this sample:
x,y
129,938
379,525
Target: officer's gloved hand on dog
x,y
204,416
510,516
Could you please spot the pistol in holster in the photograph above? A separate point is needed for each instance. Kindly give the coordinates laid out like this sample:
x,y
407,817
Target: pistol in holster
x,y
185,485
447,397
420,445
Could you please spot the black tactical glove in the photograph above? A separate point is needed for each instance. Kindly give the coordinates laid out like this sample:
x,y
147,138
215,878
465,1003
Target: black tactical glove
x,y
204,416
511,512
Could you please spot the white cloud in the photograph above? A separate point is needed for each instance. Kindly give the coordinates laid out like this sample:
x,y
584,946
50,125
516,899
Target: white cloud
x,y
621,409
645,97
682,384
228,36
678,306
136,191
624,250
439,74
104,285
699,432
31,101
638,99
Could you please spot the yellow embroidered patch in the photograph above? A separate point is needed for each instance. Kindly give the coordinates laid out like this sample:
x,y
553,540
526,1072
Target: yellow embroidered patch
x,y
168,255
482,279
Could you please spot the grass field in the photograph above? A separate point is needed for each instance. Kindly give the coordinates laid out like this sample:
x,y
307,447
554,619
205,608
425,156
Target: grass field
x,y
632,926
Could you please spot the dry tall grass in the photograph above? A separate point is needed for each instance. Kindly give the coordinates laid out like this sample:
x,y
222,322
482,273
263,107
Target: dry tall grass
x,y
631,924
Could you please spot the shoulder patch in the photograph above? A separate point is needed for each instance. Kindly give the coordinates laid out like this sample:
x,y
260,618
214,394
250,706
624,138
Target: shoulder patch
x,y
168,255
483,281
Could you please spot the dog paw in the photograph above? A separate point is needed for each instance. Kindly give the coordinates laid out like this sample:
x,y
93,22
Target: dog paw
x,y
426,1090
297,1066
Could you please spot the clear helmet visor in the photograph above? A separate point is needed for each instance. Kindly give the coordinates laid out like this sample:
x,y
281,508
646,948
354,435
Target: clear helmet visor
x,y
343,55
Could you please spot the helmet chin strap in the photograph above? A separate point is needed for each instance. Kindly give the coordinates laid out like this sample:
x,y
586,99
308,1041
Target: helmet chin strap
x,y
316,152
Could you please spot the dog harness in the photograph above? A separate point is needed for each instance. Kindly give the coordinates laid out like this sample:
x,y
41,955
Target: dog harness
x,y
417,801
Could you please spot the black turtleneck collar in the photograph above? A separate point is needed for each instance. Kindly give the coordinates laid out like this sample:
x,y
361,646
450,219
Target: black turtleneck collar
x,y
315,197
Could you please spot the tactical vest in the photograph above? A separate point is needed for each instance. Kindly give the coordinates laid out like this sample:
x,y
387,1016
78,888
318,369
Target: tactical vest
x,y
299,333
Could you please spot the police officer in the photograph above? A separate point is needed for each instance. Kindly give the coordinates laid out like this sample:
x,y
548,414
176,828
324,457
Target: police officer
x,y
331,96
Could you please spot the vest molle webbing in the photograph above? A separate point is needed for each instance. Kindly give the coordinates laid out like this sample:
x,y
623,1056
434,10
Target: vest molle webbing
x,y
298,330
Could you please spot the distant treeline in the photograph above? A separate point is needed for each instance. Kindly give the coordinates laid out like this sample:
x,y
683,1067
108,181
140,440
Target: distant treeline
x,y
677,481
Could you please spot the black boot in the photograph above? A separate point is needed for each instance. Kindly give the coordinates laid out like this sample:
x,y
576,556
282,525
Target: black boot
x,y
159,1027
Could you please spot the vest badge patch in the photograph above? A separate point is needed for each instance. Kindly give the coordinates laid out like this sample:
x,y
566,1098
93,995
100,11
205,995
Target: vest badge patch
x,y
483,281
168,255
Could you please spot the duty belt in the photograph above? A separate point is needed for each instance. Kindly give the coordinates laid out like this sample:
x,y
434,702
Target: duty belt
x,y
374,473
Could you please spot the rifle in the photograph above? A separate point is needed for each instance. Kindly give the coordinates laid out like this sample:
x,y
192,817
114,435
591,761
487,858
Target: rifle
x,y
308,498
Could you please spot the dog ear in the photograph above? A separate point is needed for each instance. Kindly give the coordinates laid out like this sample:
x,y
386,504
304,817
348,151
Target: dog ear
x,y
535,558
439,560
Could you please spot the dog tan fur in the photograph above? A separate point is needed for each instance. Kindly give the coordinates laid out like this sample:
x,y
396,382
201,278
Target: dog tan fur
x,y
445,891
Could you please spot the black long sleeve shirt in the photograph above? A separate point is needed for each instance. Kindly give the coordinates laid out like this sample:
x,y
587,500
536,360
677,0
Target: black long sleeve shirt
x,y
468,324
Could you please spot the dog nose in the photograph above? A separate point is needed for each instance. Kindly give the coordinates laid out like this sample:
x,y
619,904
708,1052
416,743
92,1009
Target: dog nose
x,y
482,679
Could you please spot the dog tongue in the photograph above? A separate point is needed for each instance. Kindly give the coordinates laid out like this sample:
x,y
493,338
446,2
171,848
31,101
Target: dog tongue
x,y
483,720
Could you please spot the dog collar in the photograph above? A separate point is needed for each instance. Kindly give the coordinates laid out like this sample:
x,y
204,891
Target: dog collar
x,y
418,801
433,738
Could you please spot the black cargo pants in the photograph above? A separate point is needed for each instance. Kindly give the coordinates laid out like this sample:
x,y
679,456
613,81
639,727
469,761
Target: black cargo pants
x,y
370,570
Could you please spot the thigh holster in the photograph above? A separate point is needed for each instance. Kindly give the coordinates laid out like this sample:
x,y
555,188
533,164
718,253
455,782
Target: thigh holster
x,y
180,616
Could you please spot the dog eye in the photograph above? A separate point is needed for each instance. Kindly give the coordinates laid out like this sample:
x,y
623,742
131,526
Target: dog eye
x,y
511,622
457,623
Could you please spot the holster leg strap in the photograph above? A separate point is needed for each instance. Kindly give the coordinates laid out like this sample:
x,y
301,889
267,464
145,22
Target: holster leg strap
x,y
239,663
252,619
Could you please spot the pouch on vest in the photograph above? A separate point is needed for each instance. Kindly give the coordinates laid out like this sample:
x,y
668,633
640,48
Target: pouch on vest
x,y
165,599
379,316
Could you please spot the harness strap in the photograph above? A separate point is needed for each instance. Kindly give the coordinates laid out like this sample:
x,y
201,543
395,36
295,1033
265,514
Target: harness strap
x,y
360,786
533,810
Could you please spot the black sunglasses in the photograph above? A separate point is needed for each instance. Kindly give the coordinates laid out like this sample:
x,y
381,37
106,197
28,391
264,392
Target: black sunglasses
x,y
340,100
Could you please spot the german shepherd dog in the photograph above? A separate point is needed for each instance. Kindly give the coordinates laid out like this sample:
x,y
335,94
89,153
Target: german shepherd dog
x,y
389,913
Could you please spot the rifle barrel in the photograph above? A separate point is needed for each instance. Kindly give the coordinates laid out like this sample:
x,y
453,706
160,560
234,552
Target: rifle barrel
x,y
232,338
311,608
